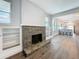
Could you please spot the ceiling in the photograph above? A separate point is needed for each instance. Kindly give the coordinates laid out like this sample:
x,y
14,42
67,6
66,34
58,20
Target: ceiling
x,y
69,17
56,6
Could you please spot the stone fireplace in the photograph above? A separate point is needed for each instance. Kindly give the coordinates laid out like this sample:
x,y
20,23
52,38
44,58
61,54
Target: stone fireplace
x,y
29,33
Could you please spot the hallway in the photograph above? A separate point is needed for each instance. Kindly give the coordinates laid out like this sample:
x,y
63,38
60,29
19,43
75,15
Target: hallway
x,y
65,47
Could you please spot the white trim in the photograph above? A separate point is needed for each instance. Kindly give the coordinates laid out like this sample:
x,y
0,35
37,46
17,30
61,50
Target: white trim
x,y
31,25
51,36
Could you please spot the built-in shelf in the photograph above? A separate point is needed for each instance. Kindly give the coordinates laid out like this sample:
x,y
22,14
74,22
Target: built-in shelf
x,y
10,37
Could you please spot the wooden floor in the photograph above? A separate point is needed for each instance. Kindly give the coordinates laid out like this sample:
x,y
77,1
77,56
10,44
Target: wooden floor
x,y
63,47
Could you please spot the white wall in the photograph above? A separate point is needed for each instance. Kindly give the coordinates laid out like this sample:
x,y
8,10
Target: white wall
x,y
15,12
31,14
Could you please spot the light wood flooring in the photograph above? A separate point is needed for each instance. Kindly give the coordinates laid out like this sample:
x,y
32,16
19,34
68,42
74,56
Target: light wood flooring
x,y
65,47
62,47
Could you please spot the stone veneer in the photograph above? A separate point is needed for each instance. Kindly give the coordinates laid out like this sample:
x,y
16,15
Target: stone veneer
x,y
28,31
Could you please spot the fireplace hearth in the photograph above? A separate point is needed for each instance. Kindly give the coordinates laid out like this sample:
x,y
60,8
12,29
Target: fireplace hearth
x,y
32,35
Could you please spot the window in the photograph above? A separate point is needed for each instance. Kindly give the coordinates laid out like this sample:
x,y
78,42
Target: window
x,y
48,24
55,24
5,11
